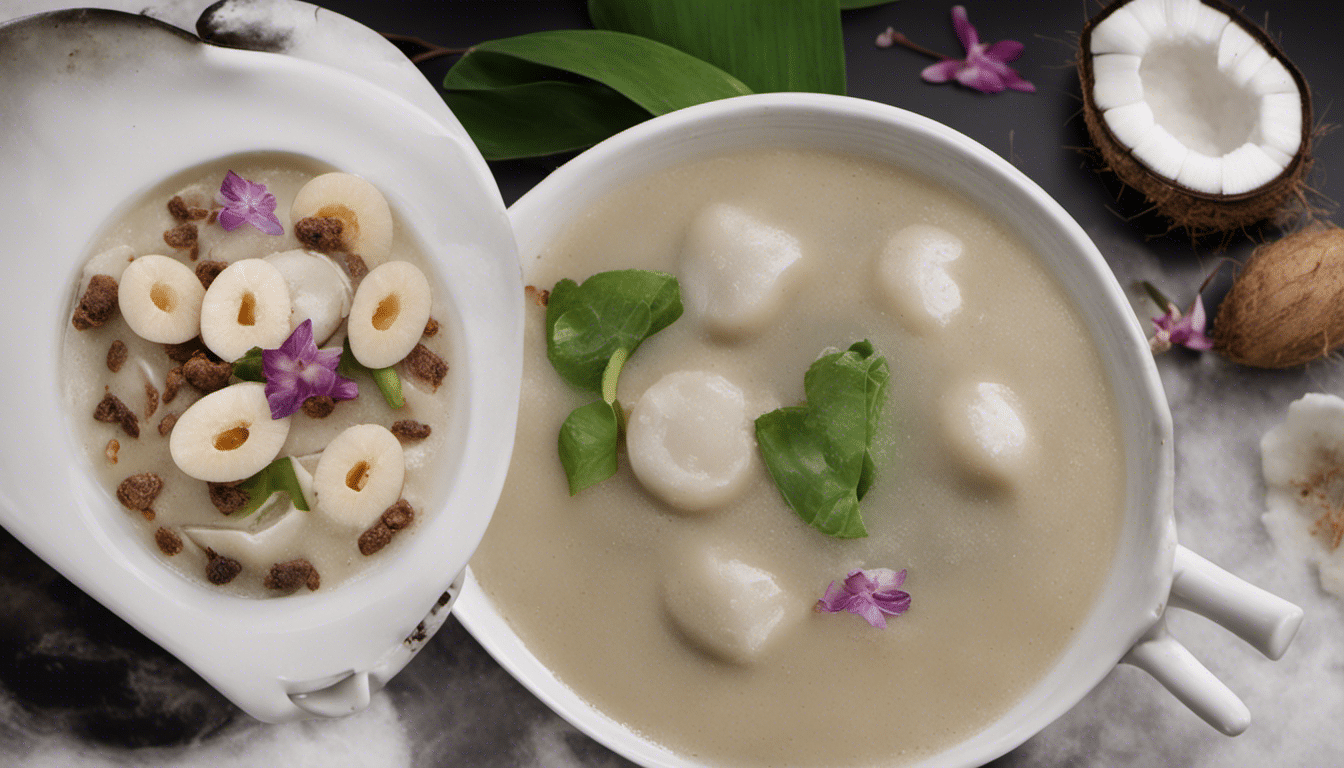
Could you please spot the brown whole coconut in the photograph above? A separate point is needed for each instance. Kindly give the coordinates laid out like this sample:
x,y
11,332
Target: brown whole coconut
x,y
1286,307
1200,208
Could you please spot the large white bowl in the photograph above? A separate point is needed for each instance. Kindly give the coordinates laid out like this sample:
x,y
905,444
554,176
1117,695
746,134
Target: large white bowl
x,y
98,107
1126,622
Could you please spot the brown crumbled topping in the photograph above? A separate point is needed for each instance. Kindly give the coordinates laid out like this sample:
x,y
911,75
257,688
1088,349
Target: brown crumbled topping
x,y
181,353
175,380
111,410
319,406
138,492
354,264
426,365
151,400
195,252
213,216
219,569
181,237
116,355
98,304
227,497
167,423
538,297
289,576
431,327
409,429
177,208
205,375
399,515
207,271
168,540
374,539
320,233
111,450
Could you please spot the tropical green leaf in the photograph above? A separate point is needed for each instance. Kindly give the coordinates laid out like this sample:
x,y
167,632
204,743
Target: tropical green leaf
x,y
771,45
544,118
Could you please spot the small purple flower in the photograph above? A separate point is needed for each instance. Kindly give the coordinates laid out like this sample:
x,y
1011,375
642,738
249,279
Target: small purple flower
x,y
299,370
246,202
985,67
1187,331
869,594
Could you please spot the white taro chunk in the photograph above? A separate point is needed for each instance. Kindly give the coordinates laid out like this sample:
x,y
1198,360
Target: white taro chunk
x,y
727,608
319,290
913,278
985,433
690,441
736,269
259,548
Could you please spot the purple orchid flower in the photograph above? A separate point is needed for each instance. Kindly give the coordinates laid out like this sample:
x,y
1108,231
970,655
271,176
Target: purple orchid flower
x,y
1186,331
873,594
985,67
246,202
299,370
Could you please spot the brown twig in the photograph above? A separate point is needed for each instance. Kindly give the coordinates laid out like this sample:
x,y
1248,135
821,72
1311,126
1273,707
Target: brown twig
x,y
432,50
900,39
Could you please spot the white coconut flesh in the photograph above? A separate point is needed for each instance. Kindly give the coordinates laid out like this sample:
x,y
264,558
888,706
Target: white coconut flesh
x,y
1194,96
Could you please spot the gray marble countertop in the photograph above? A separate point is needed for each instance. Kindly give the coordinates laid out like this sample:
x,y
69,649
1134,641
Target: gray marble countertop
x,y
80,688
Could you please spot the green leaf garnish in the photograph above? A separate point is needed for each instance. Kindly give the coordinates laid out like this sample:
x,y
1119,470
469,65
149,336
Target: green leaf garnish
x,y
249,366
767,44
591,330
586,324
385,378
819,454
277,477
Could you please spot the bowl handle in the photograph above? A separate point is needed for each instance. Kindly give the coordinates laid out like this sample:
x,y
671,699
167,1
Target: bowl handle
x,y
1265,621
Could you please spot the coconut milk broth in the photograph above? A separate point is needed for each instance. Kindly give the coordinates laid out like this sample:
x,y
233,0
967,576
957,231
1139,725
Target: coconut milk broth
x,y
184,501
999,580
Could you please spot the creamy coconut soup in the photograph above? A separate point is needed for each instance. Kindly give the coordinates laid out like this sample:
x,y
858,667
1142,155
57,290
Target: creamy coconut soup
x,y
256,480
681,595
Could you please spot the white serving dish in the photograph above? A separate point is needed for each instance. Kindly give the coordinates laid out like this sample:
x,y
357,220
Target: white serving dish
x,y
96,108
1150,572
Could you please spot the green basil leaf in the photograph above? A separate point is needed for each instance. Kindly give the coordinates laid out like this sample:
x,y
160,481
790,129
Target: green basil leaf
x,y
586,324
771,45
277,477
249,367
657,77
385,379
506,123
819,454
588,440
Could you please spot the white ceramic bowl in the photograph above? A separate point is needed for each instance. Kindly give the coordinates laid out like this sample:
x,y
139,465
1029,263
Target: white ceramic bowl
x,y
98,107
1126,622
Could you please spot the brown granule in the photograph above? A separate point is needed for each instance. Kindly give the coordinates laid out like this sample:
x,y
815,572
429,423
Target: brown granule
x,y
431,327
374,539
538,297
116,355
181,237
354,264
176,378
151,400
138,492
227,497
206,375
426,365
167,423
399,515
320,233
181,353
113,447
212,216
207,271
111,410
220,570
289,576
319,406
407,430
168,540
177,208
98,305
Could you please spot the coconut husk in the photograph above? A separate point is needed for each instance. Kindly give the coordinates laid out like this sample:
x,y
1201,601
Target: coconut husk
x,y
1199,213
1286,308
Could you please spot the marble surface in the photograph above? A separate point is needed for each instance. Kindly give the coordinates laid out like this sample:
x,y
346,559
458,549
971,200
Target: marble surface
x,y
80,688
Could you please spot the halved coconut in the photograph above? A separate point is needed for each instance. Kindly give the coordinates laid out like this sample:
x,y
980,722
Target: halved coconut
x,y
1196,107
